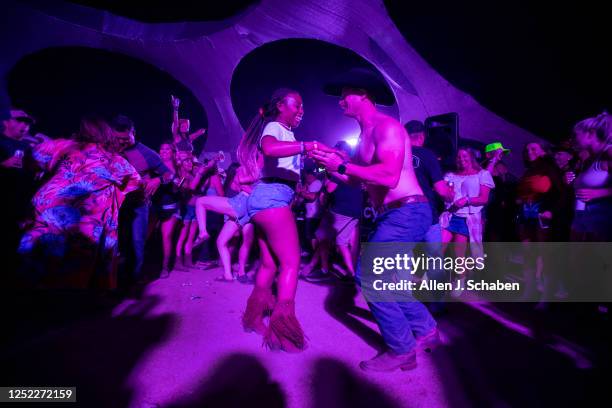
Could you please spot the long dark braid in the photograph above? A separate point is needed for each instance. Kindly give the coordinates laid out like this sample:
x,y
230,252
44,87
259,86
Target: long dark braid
x,y
248,149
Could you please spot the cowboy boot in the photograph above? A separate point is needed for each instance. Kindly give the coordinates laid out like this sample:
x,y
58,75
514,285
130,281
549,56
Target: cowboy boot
x,y
260,303
284,332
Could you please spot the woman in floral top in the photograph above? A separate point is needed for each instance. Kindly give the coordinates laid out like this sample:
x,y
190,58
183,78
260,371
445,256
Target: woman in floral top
x,y
73,238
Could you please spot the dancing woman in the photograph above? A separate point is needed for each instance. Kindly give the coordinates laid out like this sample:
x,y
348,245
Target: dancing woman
x,y
73,239
195,180
181,127
242,181
269,207
234,207
167,206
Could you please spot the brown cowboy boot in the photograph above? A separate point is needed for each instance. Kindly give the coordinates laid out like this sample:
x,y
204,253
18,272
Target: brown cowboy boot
x,y
260,303
284,332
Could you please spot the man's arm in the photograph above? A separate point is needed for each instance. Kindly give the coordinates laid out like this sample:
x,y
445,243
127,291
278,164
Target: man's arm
x,y
389,154
443,190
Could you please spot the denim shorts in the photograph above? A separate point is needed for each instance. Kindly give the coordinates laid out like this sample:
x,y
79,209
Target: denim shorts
x,y
239,205
189,213
166,211
596,218
458,225
269,195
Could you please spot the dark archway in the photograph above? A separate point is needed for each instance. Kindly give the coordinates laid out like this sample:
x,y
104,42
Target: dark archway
x,y
59,85
304,65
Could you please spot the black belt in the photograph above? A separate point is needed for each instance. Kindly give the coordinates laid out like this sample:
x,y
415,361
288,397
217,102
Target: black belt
x,y
400,202
289,183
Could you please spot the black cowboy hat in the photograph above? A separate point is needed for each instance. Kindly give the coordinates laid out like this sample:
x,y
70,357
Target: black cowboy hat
x,y
362,78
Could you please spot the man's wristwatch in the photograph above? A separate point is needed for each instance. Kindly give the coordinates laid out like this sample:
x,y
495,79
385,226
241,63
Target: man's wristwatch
x,y
342,168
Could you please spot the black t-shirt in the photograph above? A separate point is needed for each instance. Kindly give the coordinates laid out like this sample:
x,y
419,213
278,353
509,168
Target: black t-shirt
x,y
428,172
346,200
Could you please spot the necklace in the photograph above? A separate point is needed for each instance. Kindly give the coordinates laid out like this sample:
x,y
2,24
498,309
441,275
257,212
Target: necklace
x,y
285,125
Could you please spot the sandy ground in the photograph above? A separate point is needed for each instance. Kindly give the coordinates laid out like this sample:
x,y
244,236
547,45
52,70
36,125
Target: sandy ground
x,y
181,344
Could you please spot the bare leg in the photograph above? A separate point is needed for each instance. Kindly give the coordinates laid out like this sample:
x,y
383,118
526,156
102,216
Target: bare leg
x,y
461,242
248,235
180,243
314,260
324,246
167,230
228,231
217,204
280,231
447,237
192,230
347,256
261,302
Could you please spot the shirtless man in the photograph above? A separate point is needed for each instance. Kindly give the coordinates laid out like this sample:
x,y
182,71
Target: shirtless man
x,y
383,163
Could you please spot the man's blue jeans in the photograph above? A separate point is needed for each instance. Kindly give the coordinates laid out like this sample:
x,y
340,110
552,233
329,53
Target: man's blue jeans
x,y
433,248
401,322
140,224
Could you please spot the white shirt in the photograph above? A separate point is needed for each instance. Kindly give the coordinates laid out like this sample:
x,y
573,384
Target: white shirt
x,y
469,186
287,168
313,209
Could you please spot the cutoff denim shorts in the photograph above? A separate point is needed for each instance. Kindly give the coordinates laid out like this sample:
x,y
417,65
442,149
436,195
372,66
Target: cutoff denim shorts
x,y
269,195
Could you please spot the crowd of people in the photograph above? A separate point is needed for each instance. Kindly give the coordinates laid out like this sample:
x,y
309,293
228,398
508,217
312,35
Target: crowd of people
x,y
85,206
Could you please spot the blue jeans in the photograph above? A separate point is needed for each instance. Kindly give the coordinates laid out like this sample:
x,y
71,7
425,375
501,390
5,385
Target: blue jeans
x,y
433,248
400,322
140,224
595,219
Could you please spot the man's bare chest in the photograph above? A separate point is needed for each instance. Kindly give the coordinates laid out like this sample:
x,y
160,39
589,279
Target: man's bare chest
x,y
366,151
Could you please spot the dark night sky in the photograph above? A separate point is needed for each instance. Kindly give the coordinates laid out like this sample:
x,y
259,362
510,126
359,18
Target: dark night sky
x,y
543,66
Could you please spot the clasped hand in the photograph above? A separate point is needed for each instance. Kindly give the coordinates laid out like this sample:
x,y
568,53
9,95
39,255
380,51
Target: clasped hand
x,y
328,157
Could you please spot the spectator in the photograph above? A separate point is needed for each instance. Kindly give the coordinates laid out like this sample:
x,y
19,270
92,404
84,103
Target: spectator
x,y
239,187
212,220
74,234
461,222
429,175
501,209
134,217
593,220
539,195
17,180
311,194
198,179
341,221
183,140
166,205
494,152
